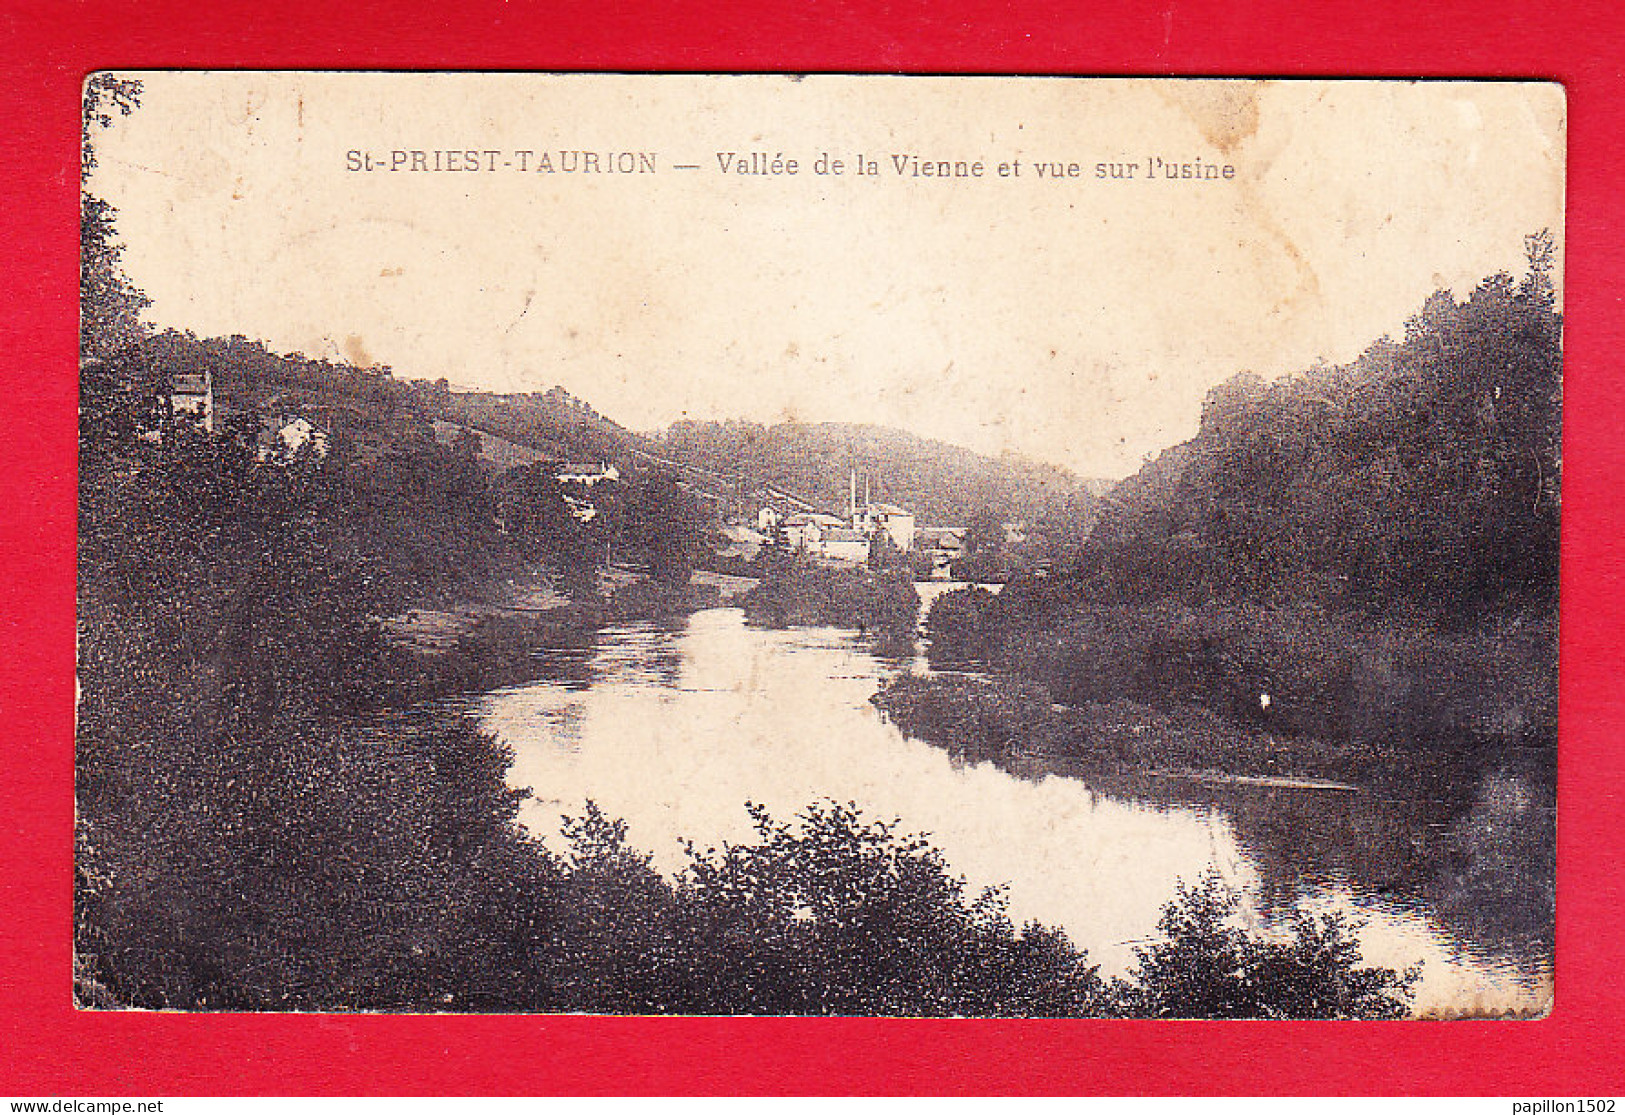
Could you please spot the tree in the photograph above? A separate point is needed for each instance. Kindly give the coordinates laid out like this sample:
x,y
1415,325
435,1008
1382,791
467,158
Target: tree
x,y
838,914
660,522
109,308
534,509
547,524
984,533
1206,967
883,552
116,389
1540,249
620,945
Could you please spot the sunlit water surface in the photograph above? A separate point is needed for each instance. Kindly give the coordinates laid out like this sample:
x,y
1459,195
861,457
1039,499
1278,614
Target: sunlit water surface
x,y
674,727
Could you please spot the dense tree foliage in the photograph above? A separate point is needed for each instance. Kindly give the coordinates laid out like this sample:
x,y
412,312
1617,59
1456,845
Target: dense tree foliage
x,y
657,522
109,308
798,915
244,839
368,402
830,914
1204,966
553,422
1426,474
544,519
1365,552
796,592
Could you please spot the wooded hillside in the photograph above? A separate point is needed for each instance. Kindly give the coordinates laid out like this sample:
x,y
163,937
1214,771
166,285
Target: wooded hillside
x,y
1364,552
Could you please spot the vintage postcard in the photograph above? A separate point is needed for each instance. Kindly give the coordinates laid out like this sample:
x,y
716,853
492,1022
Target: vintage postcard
x,y
818,545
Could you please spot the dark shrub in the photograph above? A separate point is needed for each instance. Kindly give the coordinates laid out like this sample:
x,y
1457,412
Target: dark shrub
x,y
1205,967
858,598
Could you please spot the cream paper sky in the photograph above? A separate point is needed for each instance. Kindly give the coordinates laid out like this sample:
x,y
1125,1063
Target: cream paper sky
x,y
1077,320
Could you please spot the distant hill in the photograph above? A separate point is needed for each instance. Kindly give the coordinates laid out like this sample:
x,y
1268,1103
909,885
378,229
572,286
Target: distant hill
x,y
377,412
943,484
732,466
554,423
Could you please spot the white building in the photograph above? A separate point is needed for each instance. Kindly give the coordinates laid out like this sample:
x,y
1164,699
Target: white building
x,y
296,433
193,393
581,510
898,523
586,474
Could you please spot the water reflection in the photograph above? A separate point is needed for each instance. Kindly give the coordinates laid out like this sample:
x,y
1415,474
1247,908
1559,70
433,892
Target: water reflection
x,y
675,727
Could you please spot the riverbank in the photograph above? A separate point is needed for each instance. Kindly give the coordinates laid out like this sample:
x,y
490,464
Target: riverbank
x,y
1014,724
478,646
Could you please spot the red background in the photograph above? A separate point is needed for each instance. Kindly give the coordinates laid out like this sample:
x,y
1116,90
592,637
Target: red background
x,y
48,1048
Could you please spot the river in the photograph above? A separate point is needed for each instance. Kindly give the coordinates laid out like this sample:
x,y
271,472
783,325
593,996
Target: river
x,y
675,726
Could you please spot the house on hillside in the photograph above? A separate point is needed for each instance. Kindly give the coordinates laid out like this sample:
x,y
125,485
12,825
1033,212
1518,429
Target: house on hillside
x,y
288,435
573,473
581,510
291,424
193,393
